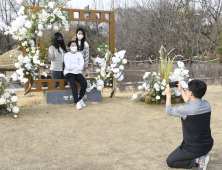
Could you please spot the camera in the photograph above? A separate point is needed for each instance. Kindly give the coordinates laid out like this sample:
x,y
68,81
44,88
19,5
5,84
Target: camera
x,y
173,84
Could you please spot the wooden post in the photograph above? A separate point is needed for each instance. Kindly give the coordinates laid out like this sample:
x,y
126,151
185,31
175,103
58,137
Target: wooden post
x,y
190,61
112,46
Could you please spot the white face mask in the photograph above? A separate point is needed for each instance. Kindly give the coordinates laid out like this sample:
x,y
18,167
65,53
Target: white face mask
x,y
73,49
80,36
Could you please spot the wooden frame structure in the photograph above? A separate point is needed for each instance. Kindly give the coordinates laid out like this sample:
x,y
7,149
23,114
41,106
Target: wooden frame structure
x,y
104,16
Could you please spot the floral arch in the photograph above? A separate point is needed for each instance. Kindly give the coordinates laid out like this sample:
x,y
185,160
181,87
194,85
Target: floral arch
x,y
30,23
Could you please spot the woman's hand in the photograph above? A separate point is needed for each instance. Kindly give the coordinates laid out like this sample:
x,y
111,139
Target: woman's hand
x,y
85,68
74,38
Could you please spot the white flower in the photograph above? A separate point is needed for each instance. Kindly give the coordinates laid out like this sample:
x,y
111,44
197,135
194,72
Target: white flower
x,y
124,61
32,43
162,87
28,24
144,85
134,97
177,93
2,101
40,16
14,99
14,77
120,54
121,78
56,28
116,60
98,49
97,70
40,26
56,11
184,84
44,13
116,70
113,65
185,72
156,86
24,80
28,66
158,97
117,75
2,76
9,109
51,4
27,73
44,74
15,109
158,89
146,75
121,67
20,72
17,65
6,95
15,116
39,33
20,58
49,27
180,64
19,1
163,93
99,88
154,74
26,59
140,88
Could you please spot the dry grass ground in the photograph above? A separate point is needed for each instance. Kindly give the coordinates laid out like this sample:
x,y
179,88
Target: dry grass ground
x,y
116,134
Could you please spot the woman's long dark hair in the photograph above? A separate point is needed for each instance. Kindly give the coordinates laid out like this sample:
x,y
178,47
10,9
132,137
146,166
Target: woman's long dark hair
x,y
82,40
55,42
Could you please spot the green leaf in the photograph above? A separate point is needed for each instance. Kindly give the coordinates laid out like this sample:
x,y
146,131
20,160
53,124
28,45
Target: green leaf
x,y
153,99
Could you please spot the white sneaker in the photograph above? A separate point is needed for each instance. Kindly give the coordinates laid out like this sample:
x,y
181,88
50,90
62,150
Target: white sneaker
x,y
203,162
82,103
78,106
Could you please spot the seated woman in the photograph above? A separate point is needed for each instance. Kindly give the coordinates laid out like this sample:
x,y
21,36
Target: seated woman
x,y
74,64
56,55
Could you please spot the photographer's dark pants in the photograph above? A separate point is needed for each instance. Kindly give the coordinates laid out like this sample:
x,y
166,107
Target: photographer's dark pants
x,y
72,78
181,158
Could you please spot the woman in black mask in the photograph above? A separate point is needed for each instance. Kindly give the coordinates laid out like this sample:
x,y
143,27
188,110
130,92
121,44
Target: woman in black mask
x,y
56,55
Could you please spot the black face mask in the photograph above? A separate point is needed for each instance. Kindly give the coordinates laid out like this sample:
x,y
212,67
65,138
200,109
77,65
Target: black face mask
x,y
61,41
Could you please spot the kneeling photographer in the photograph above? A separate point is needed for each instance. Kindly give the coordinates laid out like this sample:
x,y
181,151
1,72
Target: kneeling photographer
x,y
195,117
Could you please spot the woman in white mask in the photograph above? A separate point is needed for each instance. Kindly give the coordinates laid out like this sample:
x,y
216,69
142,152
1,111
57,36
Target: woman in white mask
x,y
74,64
82,47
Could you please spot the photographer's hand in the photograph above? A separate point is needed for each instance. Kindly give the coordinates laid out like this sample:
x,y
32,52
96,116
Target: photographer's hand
x,y
168,95
180,89
179,86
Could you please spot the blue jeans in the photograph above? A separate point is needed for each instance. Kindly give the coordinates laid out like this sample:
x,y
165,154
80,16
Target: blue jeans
x,y
57,75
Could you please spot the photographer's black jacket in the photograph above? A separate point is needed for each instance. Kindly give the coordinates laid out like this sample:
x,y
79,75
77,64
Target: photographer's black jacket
x,y
195,117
